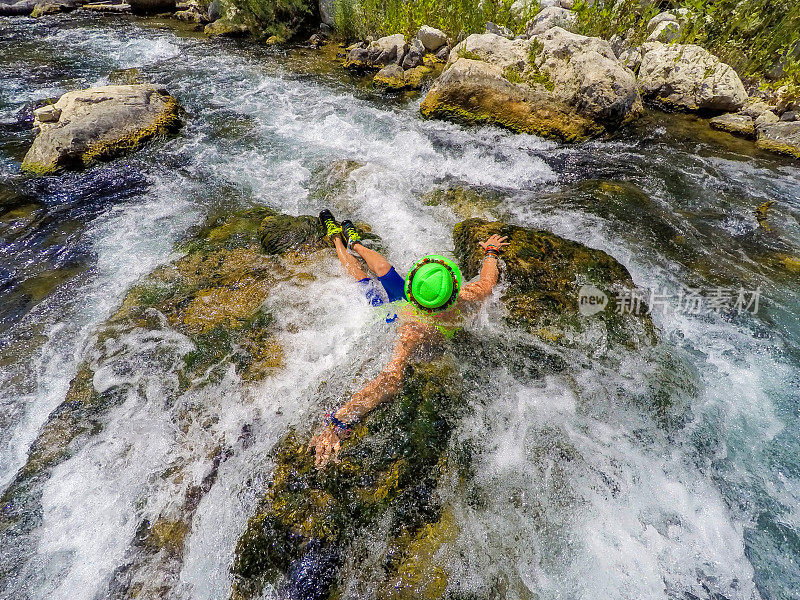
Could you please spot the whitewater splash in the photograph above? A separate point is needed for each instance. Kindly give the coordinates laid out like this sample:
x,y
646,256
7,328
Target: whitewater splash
x,y
581,491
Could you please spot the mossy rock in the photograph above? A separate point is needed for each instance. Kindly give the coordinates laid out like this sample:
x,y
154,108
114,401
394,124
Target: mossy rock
x,y
543,274
388,469
464,202
213,295
283,233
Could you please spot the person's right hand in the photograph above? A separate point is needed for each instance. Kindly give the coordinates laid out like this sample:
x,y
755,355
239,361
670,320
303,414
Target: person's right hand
x,y
495,240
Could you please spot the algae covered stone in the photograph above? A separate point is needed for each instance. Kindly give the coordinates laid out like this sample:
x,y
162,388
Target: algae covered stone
x,y
544,275
388,472
100,123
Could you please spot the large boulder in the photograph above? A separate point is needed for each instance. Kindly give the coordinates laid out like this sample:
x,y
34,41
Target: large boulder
x,y
99,123
782,137
687,77
558,84
377,54
17,9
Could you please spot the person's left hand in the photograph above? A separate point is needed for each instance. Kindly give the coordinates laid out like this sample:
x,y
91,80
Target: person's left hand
x,y
325,445
495,240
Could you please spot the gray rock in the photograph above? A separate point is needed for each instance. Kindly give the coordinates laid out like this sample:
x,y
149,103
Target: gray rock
x,y
736,123
47,114
443,53
378,54
562,85
498,30
687,77
666,32
326,8
414,56
790,115
87,125
766,118
553,16
18,9
782,137
756,108
431,39
215,10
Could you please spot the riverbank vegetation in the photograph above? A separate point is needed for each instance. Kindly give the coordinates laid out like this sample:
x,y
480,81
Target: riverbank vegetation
x,y
356,20
759,38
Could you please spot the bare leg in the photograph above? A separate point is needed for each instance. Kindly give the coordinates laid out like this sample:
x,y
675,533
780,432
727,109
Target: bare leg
x,y
349,262
376,263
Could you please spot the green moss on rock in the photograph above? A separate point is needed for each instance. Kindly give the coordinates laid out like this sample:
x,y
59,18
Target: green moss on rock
x,y
544,274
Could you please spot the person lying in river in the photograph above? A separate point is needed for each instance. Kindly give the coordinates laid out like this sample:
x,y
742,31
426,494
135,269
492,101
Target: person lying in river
x,y
433,304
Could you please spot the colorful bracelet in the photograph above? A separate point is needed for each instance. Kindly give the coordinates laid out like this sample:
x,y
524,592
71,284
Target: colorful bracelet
x,y
492,250
332,421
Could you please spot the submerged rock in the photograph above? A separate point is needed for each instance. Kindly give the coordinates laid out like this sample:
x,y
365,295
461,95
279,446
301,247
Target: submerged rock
x,y
201,319
309,534
99,123
544,274
559,85
387,472
735,123
687,77
782,137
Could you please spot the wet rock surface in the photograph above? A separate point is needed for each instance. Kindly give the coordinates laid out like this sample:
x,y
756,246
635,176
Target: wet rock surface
x,y
305,536
544,274
97,124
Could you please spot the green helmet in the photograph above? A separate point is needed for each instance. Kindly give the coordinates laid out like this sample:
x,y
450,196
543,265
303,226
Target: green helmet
x,y
433,282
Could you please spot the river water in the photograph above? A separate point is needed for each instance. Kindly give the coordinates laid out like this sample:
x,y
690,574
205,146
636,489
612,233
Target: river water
x,y
587,490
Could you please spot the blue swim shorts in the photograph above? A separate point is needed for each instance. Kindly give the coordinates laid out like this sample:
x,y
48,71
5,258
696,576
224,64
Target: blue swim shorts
x,y
393,288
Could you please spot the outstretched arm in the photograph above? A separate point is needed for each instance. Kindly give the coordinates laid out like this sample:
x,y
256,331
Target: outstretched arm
x,y
385,386
478,290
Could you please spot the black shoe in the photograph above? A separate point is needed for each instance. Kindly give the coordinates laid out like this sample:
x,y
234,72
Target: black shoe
x,y
329,224
350,234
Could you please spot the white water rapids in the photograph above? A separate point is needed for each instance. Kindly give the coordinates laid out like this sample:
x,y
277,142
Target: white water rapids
x,y
584,492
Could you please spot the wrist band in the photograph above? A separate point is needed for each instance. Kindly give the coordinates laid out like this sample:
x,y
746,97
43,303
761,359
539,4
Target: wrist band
x,y
332,421
492,250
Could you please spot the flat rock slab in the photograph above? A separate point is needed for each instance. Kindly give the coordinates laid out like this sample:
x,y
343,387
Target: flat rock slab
x,y
99,123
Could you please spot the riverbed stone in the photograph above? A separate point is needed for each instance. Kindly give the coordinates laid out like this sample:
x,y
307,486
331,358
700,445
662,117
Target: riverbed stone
x,y
735,123
558,84
688,77
782,137
100,123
